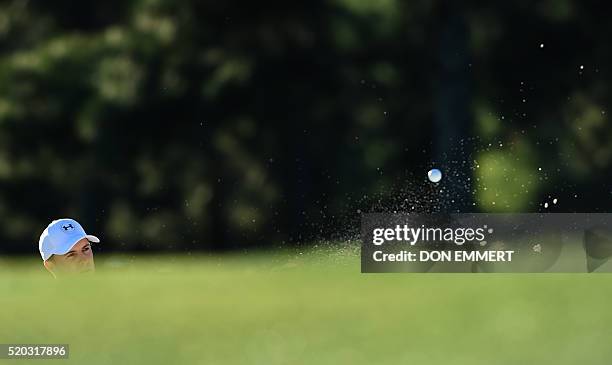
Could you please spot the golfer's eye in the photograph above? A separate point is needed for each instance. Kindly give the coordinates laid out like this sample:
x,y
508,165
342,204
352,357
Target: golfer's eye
x,y
87,248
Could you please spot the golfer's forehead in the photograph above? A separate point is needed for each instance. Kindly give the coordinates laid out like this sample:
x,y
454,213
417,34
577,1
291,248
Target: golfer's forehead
x,y
79,245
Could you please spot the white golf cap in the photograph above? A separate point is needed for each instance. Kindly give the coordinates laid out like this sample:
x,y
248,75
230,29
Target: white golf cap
x,y
60,236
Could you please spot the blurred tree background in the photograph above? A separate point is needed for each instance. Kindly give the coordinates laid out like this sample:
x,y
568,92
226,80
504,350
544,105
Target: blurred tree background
x,y
189,125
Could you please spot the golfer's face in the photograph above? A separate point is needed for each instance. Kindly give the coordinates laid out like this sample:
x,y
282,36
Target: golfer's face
x,y
78,260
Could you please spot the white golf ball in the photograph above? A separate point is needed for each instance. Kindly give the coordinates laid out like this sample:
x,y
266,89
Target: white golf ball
x,y
434,175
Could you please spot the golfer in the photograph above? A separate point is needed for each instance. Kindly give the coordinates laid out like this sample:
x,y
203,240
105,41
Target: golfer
x,y
66,248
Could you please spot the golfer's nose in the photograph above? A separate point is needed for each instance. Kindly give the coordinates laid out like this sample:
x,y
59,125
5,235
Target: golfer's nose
x,y
85,256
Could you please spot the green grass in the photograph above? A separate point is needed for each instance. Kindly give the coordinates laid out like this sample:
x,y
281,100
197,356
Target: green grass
x,y
311,308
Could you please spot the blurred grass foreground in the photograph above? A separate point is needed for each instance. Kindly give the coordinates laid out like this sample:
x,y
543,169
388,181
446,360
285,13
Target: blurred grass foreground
x,y
303,308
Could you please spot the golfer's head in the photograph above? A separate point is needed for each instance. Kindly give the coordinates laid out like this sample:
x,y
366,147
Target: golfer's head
x,y
66,248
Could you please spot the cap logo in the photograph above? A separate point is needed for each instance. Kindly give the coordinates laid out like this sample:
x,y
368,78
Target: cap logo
x,y
67,228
